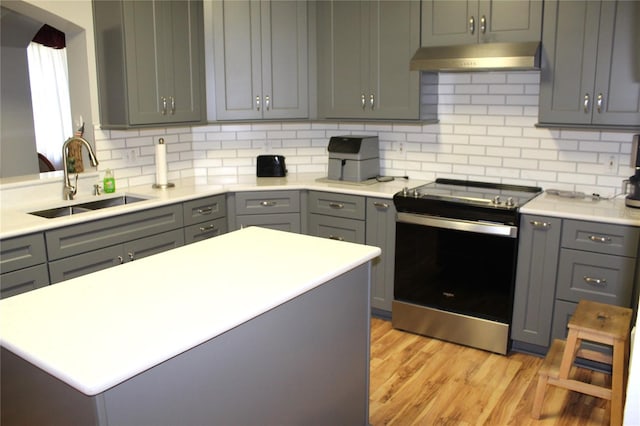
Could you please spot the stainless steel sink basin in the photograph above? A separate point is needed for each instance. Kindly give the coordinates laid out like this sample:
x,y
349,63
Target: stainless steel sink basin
x,y
88,206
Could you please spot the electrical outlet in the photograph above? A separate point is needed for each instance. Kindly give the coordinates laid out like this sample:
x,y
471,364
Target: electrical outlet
x,y
611,164
400,147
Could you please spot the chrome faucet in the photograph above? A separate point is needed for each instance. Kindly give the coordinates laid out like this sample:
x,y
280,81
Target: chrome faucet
x,y
69,191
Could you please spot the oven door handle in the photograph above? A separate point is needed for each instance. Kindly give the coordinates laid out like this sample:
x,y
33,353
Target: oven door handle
x,y
459,225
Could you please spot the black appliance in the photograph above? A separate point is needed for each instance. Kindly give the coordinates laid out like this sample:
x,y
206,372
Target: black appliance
x,y
271,166
455,261
633,189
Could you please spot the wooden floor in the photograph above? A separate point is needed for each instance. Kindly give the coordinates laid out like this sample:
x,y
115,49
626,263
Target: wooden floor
x,y
416,380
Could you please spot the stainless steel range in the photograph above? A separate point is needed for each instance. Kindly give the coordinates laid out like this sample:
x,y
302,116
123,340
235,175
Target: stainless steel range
x,y
456,249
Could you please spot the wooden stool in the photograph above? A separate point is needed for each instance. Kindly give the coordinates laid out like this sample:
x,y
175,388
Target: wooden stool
x,y
594,322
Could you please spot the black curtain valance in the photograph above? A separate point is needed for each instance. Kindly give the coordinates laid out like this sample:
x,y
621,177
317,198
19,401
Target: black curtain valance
x,y
50,37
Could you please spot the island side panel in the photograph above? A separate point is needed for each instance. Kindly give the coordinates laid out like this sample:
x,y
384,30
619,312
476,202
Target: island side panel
x,y
304,362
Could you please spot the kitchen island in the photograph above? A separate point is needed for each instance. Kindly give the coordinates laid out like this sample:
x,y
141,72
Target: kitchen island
x,y
253,327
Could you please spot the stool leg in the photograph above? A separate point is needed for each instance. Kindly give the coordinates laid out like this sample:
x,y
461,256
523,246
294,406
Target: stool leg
x,y
541,387
617,382
570,350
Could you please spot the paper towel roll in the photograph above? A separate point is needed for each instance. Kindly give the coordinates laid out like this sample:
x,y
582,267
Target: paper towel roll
x,y
161,163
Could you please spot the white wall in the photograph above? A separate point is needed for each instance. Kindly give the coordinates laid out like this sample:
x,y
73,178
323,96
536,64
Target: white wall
x,y
486,131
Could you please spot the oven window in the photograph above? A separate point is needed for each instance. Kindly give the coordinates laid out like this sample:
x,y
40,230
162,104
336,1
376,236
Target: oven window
x,y
456,271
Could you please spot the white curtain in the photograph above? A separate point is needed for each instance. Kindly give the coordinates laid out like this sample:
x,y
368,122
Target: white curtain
x,y
50,97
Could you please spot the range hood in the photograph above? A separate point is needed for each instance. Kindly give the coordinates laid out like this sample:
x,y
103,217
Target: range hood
x,y
478,57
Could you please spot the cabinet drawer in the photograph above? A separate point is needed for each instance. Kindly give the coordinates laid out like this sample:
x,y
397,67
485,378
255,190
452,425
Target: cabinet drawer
x,y
24,280
593,276
204,230
337,228
22,252
340,205
85,263
94,235
267,202
283,222
204,209
601,237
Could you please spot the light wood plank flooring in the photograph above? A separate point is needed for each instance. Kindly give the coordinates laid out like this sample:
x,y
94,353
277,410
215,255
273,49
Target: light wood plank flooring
x,y
416,380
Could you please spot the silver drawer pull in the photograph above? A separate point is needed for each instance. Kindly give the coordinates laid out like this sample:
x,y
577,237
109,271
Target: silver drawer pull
x,y
120,259
599,239
131,255
336,205
336,237
600,282
539,224
208,228
205,211
268,203
381,205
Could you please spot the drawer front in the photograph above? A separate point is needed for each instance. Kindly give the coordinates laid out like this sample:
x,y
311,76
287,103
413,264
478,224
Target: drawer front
x,y
267,202
601,237
340,205
94,235
22,252
24,280
289,222
82,264
204,230
337,228
593,276
154,244
204,209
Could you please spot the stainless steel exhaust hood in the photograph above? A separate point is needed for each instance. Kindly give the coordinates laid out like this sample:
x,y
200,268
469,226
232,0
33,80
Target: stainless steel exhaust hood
x,y
478,57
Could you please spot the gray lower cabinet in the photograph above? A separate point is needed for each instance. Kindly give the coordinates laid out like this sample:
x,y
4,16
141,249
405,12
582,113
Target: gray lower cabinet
x,y
204,218
381,232
538,249
270,209
590,53
337,216
22,264
150,61
96,260
446,22
260,59
364,48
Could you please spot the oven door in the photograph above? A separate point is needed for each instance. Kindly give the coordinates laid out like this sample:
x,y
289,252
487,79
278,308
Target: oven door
x,y
458,266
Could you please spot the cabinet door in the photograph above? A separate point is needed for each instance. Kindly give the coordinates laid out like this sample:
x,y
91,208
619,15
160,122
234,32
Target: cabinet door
x,y
393,90
617,85
85,263
509,21
148,246
381,232
538,250
446,22
284,59
23,280
569,43
236,43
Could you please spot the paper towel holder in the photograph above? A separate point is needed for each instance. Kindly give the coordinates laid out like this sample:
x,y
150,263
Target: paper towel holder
x,y
161,185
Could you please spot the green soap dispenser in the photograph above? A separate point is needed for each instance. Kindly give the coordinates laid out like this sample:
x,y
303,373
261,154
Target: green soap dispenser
x,y
109,182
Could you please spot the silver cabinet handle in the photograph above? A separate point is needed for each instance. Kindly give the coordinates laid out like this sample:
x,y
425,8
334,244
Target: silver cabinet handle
x,y
336,205
268,203
372,101
258,103
599,282
267,101
540,225
483,24
472,25
336,237
173,105
208,228
599,239
586,102
164,105
599,100
205,211
381,205
131,255
364,101
120,259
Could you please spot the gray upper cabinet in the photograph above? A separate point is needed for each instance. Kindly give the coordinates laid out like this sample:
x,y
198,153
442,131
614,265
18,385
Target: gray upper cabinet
x,y
446,22
150,60
590,63
364,49
260,59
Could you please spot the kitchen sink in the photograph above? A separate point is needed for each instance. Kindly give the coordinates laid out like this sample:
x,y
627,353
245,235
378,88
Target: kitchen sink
x,y
88,206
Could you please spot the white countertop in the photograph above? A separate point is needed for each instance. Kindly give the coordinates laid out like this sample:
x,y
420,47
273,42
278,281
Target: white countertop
x,y
98,330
